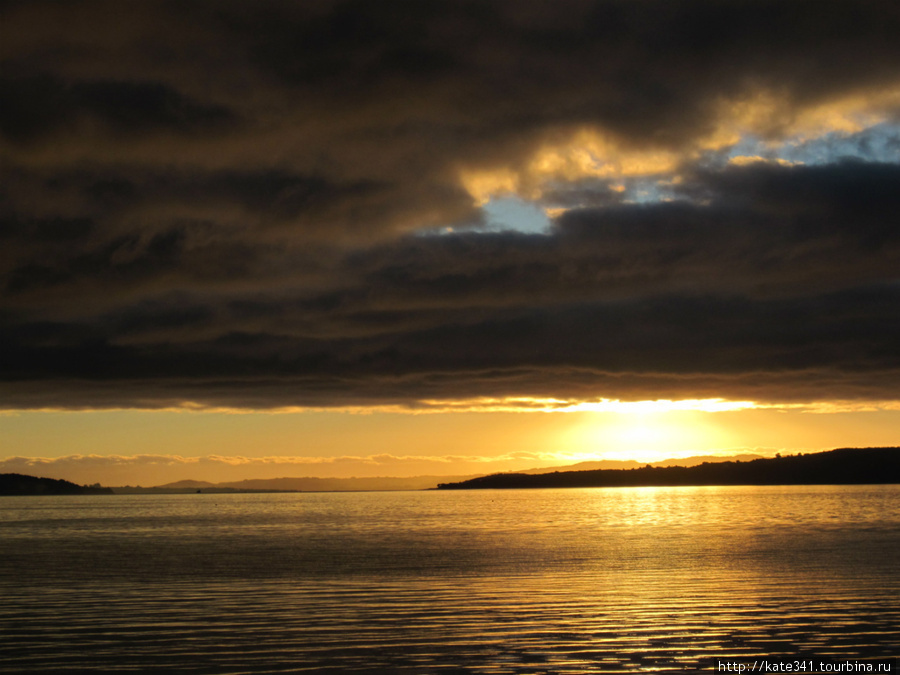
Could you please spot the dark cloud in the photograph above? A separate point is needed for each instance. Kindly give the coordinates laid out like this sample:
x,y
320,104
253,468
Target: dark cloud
x,y
42,108
237,203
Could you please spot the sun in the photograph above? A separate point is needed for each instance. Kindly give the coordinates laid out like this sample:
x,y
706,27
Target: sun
x,y
650,436
643,435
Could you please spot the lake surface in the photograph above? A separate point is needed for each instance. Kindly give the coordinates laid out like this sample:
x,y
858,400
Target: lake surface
x,y
519,581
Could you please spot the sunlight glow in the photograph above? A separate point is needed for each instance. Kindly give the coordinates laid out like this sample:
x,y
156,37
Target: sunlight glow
x,y
661,406
529,404
651,435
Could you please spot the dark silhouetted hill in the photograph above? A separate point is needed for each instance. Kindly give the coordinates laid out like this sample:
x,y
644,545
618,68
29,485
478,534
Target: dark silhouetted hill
x,y
845,466
633,464
19,484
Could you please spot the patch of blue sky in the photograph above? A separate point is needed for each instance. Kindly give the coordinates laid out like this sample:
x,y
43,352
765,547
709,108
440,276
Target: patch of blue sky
x,y
647,191
500,214
878,143
513,213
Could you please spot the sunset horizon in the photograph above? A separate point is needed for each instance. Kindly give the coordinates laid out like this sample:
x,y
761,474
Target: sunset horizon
x,y
91,447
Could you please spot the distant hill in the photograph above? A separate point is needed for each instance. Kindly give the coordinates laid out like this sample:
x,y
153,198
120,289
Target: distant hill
x,y
314,484
835,467
193,484
19,484
303,484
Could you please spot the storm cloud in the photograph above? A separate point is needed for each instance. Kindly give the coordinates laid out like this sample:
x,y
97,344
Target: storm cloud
x,y
273,204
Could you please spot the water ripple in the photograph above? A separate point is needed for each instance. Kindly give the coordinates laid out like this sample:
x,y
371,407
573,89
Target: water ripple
x,y
449,582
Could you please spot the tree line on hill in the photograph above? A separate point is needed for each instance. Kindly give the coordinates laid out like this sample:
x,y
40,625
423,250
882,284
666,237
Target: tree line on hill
x,y
835,467
20,484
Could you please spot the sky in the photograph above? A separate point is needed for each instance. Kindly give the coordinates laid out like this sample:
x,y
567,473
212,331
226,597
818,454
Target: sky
x,y
249,239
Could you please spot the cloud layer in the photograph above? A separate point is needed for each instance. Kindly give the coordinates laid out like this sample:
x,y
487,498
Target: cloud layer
x,y
239,205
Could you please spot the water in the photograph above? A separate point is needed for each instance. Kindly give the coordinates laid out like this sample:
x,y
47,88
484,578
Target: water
x,y
540,581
